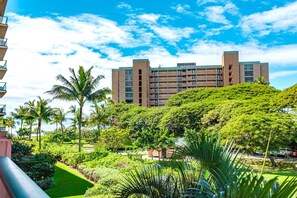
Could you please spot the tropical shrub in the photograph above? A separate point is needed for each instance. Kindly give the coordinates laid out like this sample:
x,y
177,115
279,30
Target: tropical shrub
x,y
105,187
95,174
73,159
114,138
226,177
121,162
57,150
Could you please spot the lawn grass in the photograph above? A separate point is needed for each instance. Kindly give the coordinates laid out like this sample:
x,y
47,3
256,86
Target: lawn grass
x,y
281,174
68,183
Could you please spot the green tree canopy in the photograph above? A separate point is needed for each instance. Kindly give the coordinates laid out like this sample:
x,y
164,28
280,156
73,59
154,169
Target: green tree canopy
x,y
81,87
244,91
251,132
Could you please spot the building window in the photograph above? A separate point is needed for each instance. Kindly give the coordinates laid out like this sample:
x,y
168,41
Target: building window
x,y
128,89
193,77
194,83
249,73
248,67
129,83
249,79
128,77
193,71
129,71
129,95
179,89
139,72
129,101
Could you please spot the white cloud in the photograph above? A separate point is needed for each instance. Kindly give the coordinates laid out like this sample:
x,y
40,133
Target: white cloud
x,y
123,5
150,18
216,14
182,8
201,2
275,20
172,34
275,75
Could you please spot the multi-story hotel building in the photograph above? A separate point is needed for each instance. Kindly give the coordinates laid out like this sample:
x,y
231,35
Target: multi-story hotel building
x,y
5,144
147,86
3,49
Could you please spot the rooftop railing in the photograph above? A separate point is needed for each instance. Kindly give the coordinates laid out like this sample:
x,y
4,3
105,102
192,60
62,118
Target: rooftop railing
x,y
16,183
3,19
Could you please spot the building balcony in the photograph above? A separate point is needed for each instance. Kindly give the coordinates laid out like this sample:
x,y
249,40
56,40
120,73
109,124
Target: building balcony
x,y
3,26
2,110
3,68
3,47
2,89
15,183
2,6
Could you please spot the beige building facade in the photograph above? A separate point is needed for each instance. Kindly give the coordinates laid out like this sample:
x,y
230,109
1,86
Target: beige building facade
x,y
150,87
5,144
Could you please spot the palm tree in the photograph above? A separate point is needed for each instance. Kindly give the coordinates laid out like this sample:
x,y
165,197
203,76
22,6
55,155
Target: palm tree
x,y
99,116
261,80
81,87
59,117
19,114
42,112
10,123
227,178
29,117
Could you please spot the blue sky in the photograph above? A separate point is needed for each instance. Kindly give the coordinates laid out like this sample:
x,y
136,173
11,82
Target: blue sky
x,y
46,37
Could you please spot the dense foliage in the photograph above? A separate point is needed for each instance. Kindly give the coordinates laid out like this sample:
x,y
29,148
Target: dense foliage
x,y
39,167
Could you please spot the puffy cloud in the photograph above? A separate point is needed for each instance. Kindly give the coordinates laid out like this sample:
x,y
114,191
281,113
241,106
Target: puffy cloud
x,y
275,20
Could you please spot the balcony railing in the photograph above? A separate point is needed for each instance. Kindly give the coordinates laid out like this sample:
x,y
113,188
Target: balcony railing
x,y
15,183
3,64
2,129
3,20
3,42
2,86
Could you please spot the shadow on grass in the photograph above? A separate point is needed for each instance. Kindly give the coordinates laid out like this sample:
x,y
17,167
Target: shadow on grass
x,y
282,173
68,184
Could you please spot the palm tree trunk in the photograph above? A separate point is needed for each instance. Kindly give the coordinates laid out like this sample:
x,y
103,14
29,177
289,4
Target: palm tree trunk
x,y
39,131
79,127
61,124
30,133
21,123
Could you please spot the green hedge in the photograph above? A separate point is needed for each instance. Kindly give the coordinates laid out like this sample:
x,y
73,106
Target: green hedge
x,y
73,159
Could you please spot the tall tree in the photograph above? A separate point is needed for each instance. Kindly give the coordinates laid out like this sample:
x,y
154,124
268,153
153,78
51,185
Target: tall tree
x,y
19,114
42,112
59,116
80,87
99,116
29,116
10,123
